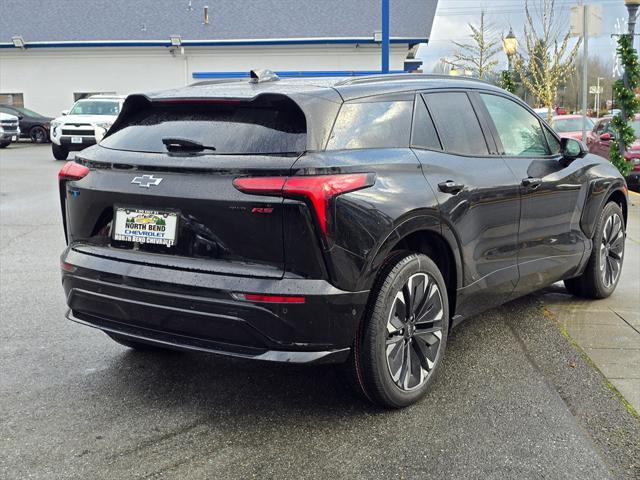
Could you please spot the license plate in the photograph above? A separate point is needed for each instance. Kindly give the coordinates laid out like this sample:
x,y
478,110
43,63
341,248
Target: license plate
x,y
76,139
145,226
14,139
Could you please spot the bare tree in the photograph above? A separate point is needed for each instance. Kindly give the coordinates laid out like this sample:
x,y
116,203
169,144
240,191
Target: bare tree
x,y
442,67
548,60
478,55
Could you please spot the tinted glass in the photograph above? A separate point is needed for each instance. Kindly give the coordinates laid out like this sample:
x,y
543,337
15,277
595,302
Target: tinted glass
x,y
95,107
520,131
230,129
457,123
372,125
424,133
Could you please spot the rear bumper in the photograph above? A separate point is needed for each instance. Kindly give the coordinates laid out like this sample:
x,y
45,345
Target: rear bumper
x,y
196,311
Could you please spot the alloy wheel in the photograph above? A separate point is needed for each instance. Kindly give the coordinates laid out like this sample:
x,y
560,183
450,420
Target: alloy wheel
x,y
38,135
611,250
414,331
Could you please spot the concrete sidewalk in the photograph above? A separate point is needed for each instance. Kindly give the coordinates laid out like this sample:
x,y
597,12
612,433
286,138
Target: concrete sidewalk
x,y
608,330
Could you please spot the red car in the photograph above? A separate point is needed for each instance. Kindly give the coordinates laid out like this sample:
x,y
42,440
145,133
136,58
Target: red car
x,y
570,126
599,142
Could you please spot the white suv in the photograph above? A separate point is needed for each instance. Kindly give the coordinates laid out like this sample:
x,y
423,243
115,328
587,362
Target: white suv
x,y
9,130
84,125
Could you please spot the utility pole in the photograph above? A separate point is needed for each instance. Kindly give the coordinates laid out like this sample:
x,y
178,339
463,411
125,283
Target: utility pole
x,y
585,62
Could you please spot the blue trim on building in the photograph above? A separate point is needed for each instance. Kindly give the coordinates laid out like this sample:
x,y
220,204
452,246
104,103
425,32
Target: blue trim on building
x,y
215,43
294,74
384,64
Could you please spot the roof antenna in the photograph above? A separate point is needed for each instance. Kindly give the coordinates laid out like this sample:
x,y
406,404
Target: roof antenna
x,y
190,6
206,15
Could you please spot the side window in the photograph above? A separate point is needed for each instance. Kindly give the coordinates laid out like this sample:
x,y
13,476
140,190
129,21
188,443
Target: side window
x,y
424,132
607,128
520,132
384,124
457,123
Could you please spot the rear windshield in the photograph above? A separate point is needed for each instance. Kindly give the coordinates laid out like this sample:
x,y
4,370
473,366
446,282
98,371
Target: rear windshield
x,y
236,128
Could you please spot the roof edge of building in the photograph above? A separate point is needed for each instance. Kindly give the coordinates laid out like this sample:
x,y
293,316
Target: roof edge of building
x,y
213,43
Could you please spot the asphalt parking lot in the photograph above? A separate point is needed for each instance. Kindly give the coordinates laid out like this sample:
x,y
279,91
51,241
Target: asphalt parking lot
x,y
514,400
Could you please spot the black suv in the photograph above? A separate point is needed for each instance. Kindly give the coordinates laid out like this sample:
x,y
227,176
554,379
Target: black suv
x,y
353,221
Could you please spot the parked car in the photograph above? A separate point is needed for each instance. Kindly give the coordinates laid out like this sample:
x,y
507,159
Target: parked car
x,y
352,221
32,124
84,125
9,129
570,126
599,142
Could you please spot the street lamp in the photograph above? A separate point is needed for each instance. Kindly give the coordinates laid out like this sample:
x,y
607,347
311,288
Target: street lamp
x,y
510,45
632,9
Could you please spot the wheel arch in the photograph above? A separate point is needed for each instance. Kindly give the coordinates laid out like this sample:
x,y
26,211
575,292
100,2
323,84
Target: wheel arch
x,y
425,235
602,191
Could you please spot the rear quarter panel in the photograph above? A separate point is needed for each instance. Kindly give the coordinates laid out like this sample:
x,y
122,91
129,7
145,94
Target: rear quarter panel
x,y
369,222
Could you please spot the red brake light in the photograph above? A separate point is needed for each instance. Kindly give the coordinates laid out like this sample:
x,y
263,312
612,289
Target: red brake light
x,y
260,185
72,171
318,189
255,297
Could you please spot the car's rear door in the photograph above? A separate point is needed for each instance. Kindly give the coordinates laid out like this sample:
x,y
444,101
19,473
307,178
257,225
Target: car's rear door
x,y
550,241
476,193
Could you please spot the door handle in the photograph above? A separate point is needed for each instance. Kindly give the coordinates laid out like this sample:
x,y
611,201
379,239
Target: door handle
x,y
531,182
450,187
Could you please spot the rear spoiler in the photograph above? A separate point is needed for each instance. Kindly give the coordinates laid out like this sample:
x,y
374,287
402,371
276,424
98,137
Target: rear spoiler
x,y
319,112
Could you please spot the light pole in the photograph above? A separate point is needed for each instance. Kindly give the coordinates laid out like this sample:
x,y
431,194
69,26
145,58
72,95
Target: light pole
x,y
510,46
632,9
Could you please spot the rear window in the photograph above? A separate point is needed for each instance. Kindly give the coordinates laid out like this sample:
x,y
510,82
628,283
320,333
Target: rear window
x,y
383,124
231,128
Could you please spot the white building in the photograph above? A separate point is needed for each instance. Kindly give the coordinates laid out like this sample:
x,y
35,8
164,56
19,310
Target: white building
x,y
54,52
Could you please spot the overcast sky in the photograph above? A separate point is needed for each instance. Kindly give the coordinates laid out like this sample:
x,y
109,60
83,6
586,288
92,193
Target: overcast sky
x,y
452,17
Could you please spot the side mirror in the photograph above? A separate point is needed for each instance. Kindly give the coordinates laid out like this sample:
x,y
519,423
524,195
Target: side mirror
x,y
572,149
65,112
606,137
20,117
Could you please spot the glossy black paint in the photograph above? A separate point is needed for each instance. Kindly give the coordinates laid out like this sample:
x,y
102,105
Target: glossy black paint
x,y
27,121
498,227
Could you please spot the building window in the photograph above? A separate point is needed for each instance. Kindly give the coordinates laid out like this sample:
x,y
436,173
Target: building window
x,y
80,95
13,99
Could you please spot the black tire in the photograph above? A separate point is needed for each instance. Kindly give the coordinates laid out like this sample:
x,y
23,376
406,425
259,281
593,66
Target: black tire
x,y
398,351
38,134
4,144
59,153
602,273
133,344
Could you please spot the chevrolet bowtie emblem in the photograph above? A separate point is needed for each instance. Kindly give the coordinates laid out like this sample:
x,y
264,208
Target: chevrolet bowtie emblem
x,y
145,181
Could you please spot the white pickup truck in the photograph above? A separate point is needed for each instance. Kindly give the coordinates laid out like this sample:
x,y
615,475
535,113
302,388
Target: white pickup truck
x,y
9,129
84,125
